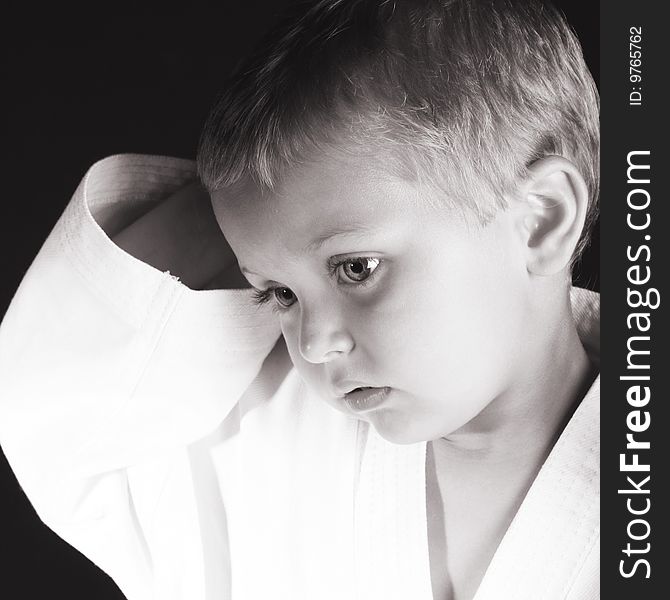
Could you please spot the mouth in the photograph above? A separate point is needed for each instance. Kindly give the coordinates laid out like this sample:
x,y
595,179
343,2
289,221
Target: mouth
x,y
364,398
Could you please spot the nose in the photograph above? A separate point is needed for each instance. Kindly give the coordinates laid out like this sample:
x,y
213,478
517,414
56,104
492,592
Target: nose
x,y
322,336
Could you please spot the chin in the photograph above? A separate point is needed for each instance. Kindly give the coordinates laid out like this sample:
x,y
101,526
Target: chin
x,y
400,428
396,427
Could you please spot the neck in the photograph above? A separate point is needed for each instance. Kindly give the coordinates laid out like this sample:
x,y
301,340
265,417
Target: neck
x,y
522,424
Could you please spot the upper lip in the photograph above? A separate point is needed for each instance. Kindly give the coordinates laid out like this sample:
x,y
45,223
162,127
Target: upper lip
x,y
345,386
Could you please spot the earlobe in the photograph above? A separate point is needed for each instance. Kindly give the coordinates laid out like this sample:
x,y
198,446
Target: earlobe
x,y
554,199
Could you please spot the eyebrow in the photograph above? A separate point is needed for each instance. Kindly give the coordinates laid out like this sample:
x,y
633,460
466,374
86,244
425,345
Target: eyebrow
x,y
353,230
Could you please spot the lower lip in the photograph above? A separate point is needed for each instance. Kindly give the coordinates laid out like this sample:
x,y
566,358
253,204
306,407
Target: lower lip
x,y
365,400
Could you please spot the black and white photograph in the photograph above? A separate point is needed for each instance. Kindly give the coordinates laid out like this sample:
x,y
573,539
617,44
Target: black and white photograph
x,y
302,301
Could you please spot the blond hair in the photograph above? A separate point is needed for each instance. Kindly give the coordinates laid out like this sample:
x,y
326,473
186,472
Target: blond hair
x,y
463,94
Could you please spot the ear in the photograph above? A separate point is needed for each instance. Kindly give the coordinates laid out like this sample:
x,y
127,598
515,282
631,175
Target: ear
x,y
554,199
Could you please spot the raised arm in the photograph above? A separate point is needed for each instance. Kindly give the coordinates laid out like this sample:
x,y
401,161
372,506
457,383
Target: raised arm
x,y
111,368
181,235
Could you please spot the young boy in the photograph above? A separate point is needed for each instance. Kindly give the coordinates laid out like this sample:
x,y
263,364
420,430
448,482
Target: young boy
x,y
407,185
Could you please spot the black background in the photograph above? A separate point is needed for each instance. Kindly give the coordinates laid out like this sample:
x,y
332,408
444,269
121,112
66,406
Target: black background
x,y
79,86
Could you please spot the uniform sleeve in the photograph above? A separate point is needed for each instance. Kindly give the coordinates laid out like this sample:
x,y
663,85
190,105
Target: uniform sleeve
x,y
106,363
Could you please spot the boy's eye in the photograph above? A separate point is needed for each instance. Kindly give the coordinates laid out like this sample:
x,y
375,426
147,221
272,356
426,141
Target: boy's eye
x,y
359,269
351,270
284,296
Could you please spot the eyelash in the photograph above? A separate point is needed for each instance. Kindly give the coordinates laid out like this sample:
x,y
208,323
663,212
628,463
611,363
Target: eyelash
x,y
264,296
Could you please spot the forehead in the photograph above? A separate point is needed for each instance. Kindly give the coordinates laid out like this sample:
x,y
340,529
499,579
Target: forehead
x,y
314,201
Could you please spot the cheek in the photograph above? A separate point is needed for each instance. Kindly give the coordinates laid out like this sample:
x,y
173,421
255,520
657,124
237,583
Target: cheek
x,y
459,334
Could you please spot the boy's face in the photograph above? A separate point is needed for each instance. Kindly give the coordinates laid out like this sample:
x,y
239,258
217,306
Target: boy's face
x,y
373,288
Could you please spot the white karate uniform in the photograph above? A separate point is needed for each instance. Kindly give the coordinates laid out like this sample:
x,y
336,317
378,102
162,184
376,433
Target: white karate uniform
x,y
162,432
